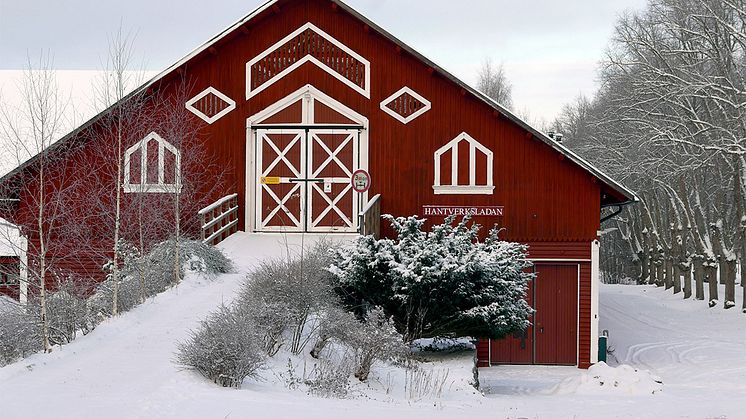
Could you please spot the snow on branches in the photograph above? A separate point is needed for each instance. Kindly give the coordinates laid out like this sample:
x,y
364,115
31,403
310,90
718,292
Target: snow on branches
x,y
445,282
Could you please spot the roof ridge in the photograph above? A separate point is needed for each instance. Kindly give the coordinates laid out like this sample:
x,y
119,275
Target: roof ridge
x,y
631,196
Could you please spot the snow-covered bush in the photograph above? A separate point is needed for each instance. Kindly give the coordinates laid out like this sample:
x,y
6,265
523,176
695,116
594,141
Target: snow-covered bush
x,y
225,348
283,295
375,339
331,379
142,277
440,283
335,323
130,293
200,257
67,314
20,333
443,345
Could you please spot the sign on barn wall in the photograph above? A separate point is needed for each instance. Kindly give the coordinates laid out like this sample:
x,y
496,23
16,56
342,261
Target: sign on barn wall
x,y
270,180
360,181
448,210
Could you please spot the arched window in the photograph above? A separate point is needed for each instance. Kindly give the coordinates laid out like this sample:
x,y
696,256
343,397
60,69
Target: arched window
x,y
152,165
480,162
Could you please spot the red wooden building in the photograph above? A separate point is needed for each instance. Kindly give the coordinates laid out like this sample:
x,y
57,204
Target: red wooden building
x,y
300,95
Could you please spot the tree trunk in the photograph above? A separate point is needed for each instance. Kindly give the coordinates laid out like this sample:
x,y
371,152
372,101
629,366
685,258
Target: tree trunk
x,y
644,269
660,271
730,284
711,272
677,279
699,278
668,265
42,262
686,270
177,231
652,279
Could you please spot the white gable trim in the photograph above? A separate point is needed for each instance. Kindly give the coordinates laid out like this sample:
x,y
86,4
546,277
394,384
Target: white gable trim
x,y
307,94
161,186
412,117
190,105
472,188
308,58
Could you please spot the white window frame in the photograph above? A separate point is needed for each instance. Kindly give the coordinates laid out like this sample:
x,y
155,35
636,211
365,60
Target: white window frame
x,y
308,58
161,186
472,188
190,105
412,117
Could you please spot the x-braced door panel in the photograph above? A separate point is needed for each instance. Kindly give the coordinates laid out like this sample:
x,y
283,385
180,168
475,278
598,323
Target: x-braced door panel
x,y
303,179
332,158
280,202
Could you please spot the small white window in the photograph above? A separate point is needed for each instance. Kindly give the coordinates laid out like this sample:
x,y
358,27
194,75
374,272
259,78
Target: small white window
x,y
472,188
152,165
8,275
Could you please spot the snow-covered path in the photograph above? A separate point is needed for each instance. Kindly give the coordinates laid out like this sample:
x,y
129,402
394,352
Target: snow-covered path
x,y
700,353
124,368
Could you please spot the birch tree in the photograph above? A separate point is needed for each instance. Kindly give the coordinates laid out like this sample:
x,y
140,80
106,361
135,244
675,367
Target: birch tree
x,y
29,130
116,82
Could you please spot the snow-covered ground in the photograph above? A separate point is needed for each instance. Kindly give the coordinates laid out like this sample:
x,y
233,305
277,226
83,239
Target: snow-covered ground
x,y
698,353
125,369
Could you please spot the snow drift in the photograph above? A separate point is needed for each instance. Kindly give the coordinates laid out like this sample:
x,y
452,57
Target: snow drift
x,y
604,379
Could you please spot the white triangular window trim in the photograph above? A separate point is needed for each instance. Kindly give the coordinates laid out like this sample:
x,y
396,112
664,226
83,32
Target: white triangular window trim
x,y
231,105
308,58
472,188
412,117
161,186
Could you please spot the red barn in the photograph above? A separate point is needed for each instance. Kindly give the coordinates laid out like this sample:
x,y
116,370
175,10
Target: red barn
x,y
324,120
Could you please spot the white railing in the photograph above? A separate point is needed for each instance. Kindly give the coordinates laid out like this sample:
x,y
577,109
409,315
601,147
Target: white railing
x,y
219,219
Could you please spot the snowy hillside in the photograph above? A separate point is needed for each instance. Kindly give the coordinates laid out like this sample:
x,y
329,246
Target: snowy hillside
x,y
125,369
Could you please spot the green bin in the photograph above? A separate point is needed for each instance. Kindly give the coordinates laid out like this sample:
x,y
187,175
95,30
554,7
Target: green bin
x,y
602,341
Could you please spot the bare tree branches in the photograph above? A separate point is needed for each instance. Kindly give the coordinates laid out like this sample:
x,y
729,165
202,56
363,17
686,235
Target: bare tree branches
x,y
493,82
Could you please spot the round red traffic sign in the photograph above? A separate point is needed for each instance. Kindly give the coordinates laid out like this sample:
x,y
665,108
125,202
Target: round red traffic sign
x,y
360,181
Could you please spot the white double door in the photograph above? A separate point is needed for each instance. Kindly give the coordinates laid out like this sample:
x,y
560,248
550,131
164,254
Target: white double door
x,y
303,179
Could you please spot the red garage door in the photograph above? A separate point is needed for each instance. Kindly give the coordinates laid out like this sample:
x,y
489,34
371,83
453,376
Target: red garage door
x,y
556,318
553,338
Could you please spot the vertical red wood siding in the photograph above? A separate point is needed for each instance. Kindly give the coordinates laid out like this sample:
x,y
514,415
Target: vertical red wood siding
x,y
549,202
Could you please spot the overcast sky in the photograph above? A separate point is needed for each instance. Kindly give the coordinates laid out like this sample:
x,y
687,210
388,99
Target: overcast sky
x,y
550,48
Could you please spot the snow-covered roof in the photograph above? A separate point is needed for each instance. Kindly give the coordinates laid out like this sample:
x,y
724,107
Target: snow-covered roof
x,y
10,239
627,195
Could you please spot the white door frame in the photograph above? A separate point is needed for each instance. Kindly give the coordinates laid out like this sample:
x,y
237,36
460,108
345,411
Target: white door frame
x,y
308,95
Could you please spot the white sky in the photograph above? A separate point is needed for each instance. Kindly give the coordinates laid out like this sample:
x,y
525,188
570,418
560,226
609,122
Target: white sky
x,y
550,48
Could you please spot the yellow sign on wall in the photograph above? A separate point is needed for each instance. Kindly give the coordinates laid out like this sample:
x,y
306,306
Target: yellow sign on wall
x,y
270,180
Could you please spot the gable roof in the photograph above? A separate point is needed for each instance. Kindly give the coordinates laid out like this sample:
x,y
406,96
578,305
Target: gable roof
x,y
624,195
